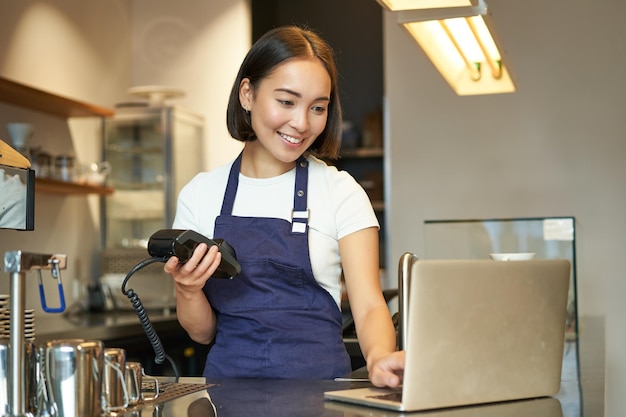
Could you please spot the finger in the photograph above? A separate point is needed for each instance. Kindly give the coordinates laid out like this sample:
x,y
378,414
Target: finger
x,y
195,259
171,265
211,261
209,257
198,253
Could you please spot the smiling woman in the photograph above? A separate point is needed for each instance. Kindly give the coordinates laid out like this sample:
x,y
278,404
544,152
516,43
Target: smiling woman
x,y
271,54
295,223
289,105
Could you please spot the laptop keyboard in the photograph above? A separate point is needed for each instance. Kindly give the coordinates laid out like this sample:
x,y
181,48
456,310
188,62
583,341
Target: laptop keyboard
x,y
395,397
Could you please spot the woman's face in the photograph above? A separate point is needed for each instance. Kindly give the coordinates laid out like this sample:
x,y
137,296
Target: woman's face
x,y
289,107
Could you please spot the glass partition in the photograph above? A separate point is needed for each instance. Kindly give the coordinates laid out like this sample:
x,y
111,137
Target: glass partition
x,y
546,237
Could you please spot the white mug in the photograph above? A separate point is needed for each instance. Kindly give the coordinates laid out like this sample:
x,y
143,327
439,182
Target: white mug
x,y
96,173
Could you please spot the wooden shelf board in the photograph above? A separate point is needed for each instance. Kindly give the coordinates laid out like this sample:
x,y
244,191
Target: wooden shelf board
x,y
50,186
17,94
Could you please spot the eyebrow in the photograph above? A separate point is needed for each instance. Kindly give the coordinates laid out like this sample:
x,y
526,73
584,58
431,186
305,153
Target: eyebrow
x,y
294,93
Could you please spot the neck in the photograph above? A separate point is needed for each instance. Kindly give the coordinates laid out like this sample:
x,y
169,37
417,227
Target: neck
x,y
257,163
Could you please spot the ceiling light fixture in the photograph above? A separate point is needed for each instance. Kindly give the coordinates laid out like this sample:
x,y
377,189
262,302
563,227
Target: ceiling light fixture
x,y
456,37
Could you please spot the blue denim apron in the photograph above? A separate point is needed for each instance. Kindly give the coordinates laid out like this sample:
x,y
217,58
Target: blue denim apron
x,y
274,319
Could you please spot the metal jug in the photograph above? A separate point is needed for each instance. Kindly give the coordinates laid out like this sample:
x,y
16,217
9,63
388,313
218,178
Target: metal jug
x,y
134,382
73,369
114,392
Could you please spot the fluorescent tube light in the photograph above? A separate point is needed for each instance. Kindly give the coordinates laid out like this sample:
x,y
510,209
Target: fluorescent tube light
x,y
459,43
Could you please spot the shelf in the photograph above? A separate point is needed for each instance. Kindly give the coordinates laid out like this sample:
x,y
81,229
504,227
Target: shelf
x,y
17,94
50,186
126,151
131,215
137,186
362,153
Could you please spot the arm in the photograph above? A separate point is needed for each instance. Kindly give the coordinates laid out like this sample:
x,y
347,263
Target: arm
x,y
374,328
193,310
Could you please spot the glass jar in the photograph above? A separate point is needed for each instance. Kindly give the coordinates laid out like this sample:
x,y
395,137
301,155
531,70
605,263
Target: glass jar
x,y
42,164
64,169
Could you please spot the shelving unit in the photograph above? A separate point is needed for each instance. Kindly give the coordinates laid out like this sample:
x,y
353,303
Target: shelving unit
x,y
153,151
21,95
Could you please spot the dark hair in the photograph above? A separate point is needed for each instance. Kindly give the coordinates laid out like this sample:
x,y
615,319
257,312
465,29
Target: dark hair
x,y
273,48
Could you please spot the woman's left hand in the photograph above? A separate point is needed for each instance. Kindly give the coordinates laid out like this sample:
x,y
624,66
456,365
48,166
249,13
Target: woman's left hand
x,y
388,370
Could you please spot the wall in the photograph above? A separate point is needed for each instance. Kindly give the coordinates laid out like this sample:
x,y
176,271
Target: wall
x,y
556,147
79,50
195,46
95,51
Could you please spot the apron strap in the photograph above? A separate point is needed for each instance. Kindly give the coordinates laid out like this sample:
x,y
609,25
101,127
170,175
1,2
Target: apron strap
x,y
300,213
231,187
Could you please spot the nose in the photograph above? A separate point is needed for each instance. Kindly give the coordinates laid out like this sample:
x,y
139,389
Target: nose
x,y
300,119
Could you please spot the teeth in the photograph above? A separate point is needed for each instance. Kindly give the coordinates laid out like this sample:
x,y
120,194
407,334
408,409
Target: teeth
x,y
290,139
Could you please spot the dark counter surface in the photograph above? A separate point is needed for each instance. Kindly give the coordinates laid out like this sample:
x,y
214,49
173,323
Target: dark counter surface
x,y
581,394
103,326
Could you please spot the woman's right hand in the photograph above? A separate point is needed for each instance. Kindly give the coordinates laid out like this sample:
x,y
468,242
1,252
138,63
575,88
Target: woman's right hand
x,y
193,310
191,276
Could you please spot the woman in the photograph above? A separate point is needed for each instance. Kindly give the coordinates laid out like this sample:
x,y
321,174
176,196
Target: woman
x,y
295,224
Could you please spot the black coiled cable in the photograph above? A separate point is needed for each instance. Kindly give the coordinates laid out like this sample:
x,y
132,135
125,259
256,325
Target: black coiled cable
x,y
155,341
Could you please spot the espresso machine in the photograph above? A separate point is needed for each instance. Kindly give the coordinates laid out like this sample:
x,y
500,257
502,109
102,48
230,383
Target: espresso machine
x,y
33,380
17,186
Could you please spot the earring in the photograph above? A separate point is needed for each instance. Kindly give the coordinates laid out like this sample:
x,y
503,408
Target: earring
x,y
247,110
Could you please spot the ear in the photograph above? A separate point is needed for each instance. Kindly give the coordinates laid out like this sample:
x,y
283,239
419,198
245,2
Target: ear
x,y
245,93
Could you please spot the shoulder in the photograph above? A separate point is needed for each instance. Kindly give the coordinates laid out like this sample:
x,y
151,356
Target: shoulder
x,y
200,200
338,200
330,176
208,180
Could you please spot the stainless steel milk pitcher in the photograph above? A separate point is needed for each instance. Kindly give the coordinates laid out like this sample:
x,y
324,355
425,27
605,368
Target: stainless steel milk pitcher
x,y
134,381
73,369
114,391
4,377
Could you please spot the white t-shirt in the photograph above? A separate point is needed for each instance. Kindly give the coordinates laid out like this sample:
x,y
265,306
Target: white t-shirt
x,y
338,206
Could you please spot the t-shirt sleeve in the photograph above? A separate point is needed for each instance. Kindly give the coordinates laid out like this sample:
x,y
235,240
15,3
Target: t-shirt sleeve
x,y
184,218
199,201
354,209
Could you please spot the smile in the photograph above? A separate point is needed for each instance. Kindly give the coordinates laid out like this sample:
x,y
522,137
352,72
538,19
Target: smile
x,y
290,139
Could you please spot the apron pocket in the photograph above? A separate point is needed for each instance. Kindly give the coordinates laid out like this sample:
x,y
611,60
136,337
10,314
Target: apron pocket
x,y
274,287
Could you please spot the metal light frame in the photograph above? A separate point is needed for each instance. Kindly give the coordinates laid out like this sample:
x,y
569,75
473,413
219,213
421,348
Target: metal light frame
x,y
468,73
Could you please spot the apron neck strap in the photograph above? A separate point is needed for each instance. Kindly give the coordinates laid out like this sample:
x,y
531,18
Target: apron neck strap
x,y
300,214
299,195
231,186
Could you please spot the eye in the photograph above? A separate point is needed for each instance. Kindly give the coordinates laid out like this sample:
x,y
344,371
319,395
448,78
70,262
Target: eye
x,y
285,102
319,109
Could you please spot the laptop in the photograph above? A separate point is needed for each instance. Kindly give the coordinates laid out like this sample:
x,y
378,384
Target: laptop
x,y
479,331
535,407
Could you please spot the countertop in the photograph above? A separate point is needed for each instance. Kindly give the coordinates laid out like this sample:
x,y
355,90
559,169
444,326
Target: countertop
x,y
581,394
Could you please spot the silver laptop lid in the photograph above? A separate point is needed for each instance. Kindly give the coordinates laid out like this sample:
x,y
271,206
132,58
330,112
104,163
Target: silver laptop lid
x,y
484,331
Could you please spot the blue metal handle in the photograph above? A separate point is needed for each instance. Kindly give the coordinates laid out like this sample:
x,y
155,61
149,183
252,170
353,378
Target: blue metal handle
x,y
42,295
